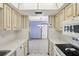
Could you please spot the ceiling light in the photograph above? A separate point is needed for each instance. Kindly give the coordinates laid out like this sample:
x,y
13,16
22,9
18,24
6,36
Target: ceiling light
x,y
38,12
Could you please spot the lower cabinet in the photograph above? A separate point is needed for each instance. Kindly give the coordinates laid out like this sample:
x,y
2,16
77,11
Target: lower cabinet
x,y
49,47
20,51
13,54
52,49
56,53
25,48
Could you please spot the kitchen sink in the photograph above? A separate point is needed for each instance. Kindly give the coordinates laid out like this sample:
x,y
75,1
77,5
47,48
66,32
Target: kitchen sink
x,y
68,49
4,52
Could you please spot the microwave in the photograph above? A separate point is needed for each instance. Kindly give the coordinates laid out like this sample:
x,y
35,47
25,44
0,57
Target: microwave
x,y
71,28
76,28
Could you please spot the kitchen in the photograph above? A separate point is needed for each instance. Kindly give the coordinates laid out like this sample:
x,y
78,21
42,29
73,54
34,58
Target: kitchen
x,y
63,29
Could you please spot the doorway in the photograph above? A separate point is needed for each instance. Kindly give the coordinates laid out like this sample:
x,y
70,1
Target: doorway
x,y
35,30
38,27
38,43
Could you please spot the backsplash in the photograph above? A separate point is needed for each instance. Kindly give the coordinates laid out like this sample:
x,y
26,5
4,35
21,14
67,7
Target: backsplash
x,y
56,35
7,36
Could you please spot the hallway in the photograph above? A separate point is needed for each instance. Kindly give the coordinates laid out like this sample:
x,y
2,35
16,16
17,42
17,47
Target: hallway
x,y
38,47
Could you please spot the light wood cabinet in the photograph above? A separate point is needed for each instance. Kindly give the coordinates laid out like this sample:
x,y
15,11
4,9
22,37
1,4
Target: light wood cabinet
x,y
57,22
11,19
61,19
20,51
77,9
25,48
1,19
14,20
1,5
25,22
51,21
49,48
18,21
70,11
7,17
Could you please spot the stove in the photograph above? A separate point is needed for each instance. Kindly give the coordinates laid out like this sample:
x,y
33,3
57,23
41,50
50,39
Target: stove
x,y
4,52
68,49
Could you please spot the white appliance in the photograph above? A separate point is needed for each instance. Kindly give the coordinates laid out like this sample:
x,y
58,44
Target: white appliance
x,y
71,27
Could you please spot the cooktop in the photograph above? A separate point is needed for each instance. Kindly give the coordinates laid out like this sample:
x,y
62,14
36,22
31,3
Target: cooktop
x,y
68,49
4,52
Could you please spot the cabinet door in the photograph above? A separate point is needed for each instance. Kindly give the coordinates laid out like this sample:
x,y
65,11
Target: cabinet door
x,y
20,51
57,22
7,17
70,11
24,22
8,11
1,19
1,5
14,20
49,47
56,53
77,9
61,19
25,48
51,21
13,54
19,21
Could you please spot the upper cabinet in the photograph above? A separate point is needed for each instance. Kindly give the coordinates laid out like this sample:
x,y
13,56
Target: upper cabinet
x,y
18,21
51,21
77,9
7,17
61,19
70,11
1,5
56,22
66,13
13,20
24,22
10,19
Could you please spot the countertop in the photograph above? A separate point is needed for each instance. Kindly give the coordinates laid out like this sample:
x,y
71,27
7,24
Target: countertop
x,y
12,45
58,41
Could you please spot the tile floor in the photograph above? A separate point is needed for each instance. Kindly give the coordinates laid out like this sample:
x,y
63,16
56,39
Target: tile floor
x,y
38,47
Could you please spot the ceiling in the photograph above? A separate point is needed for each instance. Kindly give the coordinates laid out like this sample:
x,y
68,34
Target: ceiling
x,y
45,8
38,18
44,12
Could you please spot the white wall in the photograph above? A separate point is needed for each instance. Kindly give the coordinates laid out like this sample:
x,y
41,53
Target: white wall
x,y
38,18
